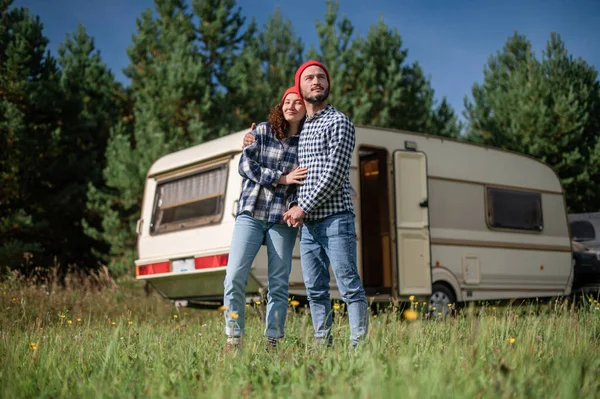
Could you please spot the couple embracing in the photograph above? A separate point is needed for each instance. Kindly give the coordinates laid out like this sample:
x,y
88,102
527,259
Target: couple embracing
x,y
296,177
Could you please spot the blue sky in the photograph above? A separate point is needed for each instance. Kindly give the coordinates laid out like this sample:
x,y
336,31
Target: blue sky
x,y
451,39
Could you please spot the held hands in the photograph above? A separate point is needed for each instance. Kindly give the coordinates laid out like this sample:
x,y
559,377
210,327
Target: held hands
x,y
294,217
249,137
294,177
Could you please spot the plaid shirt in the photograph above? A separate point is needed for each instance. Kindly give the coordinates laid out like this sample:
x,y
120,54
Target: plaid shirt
x,y
262,164
326,147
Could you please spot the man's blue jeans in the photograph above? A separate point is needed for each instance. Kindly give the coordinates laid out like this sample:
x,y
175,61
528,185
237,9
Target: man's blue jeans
x,y
248,236
332,240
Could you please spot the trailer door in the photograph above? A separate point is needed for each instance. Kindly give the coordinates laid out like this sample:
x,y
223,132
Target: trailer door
x,y
412,223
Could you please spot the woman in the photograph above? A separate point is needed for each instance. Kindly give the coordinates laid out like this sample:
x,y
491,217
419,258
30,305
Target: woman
x,y
270,170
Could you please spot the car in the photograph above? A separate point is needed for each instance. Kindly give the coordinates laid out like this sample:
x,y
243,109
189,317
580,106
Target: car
x,y
585,229
586,269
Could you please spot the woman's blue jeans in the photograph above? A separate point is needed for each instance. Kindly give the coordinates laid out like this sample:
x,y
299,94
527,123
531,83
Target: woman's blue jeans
x,y
248,236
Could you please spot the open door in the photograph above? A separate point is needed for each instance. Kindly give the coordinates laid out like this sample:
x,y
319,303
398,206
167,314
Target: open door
x,y
412,223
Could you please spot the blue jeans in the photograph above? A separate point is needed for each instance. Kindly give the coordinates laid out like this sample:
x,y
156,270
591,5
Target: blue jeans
x,y
248,236
332,240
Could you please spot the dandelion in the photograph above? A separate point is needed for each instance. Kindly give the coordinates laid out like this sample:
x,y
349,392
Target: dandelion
x,y
294,303
224,307
78,320
511,340
411,298
69,322
449,305
62,316
375,316
410,315
336,306
33,346
175,316
257,302
130,322
233,315
113,323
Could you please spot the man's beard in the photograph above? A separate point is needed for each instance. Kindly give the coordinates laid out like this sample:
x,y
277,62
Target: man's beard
x,y
317,98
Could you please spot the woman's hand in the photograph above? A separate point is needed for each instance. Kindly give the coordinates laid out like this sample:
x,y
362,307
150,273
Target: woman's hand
x,y
294,177
249,137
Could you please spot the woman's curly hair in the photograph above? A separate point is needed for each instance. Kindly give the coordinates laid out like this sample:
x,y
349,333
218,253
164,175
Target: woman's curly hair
x,y
280,126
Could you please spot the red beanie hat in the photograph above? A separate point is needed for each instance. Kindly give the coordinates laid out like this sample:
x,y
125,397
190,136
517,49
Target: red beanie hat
x,y
290,90
303,67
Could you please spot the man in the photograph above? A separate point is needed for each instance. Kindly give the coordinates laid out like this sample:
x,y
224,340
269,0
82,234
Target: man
x,y
324,208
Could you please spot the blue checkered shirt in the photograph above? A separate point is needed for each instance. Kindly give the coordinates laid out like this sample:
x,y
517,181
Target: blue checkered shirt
x,y
326,146
262,164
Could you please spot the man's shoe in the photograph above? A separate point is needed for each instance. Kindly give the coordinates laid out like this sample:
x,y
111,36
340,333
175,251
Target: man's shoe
x,y
272,344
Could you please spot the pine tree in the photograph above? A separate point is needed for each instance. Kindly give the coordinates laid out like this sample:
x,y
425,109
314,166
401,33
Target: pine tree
x,y
180,83
372,82
263,70
221,39
29,103
338,51
92,104
547,108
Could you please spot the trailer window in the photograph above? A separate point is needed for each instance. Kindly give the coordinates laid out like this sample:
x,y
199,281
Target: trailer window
x,y
514,209
190,201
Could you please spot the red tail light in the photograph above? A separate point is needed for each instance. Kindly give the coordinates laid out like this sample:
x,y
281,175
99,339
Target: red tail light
x,y
154,268
207,262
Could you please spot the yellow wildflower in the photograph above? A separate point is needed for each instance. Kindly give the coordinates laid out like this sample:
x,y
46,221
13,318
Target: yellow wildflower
x,y
294,303
69,322
224,307
411,298
449,305
130,322
336,306
33,346
257,302
78,320
511,340
410,314
233,315
175,316
113,323
62,316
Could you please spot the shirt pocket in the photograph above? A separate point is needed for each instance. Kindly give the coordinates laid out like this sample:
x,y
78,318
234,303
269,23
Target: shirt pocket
x,y
318,143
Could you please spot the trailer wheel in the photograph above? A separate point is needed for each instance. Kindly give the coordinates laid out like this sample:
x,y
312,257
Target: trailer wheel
x,y
441,301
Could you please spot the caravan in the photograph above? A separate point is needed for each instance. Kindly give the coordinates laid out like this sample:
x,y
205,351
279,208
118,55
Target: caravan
x,y
440,219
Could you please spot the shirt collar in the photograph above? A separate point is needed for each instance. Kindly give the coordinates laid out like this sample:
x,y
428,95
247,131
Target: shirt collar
x,y
317,114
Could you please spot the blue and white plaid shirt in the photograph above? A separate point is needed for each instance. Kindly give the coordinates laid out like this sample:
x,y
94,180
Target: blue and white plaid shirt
x,y
326,146
262,164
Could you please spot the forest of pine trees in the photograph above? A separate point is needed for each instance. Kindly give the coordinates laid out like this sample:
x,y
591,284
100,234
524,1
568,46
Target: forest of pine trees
x,y
75,144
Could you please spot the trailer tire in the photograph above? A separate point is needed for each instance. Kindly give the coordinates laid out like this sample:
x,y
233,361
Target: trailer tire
x,y
442,301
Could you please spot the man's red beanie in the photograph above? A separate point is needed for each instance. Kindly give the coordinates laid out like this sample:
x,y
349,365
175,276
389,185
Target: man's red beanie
x,y
290,90
303,67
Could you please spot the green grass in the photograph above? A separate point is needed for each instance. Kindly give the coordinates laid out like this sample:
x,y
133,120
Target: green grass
x,y
82,341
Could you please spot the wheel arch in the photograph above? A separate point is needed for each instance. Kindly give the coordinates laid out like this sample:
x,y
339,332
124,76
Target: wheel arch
x,y
441,275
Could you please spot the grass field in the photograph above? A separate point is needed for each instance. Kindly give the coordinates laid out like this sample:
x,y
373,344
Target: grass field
x,y
85,342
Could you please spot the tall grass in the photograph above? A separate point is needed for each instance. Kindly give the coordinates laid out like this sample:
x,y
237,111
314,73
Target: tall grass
x,y
103,339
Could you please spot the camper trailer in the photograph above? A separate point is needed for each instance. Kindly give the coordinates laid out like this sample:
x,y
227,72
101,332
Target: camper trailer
x,y
440,219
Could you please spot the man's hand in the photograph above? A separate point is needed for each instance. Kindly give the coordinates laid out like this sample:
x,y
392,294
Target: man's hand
x,y
294,177
294,217
249,137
